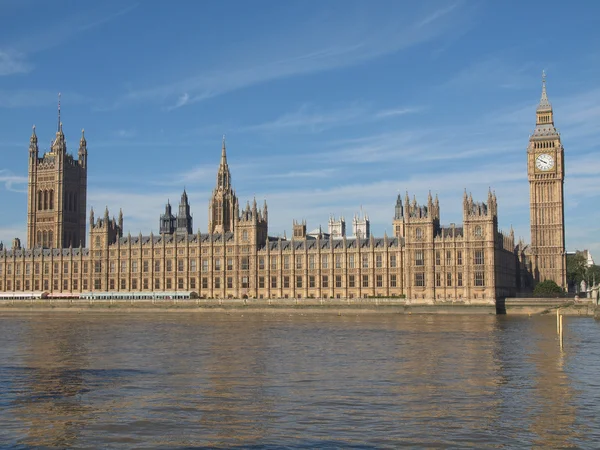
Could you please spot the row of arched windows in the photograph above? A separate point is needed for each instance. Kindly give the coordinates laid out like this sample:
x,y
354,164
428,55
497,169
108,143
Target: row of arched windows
x,y
45,239
45,200
544,145
545,119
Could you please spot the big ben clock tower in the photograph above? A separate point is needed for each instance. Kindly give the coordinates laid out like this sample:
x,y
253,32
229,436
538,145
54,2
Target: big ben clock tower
x,y
546,173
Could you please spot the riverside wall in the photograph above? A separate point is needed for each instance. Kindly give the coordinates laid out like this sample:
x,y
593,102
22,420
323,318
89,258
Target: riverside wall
x,y
509,306
535,306
362,305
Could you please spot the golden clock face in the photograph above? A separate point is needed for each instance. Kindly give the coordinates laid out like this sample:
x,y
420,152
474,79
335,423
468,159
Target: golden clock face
x,y
544,162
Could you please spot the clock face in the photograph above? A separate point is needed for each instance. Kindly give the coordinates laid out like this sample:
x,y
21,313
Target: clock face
x,y
544,162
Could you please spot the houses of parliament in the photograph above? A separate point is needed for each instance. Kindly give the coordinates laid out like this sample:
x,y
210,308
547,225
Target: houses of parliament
x,y
423,262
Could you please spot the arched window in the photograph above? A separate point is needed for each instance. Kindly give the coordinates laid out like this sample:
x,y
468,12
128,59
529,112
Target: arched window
x,y
45,239
52,199
419,233
45,200
97,241
75,201
40,200
39,238
50,239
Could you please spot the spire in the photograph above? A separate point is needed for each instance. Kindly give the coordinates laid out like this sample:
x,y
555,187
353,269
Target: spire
x,y
223,176
92,216
399,210
544,102
121,219
223,152
184,197
33,142
59,127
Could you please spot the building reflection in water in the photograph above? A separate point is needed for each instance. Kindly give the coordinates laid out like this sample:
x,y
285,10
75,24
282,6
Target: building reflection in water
x,y
244,380
554,421
50,382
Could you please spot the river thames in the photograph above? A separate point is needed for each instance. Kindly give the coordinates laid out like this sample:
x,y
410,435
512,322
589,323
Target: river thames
x,y
217,380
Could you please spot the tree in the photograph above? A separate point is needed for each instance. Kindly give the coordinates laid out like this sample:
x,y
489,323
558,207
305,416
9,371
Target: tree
x,y
547,288
576,268
593,274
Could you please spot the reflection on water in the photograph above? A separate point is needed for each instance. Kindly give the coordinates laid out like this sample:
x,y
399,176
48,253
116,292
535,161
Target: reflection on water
x,y
252,380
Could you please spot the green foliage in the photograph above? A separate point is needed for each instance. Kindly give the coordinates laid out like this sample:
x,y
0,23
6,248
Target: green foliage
x,y
576,268
593,274
547,287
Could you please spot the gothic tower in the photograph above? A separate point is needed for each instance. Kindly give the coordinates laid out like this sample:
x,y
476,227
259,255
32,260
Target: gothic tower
x,y
184,218
546,173
56,209
223,207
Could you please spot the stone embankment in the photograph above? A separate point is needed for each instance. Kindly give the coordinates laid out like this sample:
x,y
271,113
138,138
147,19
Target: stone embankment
x,y
362,305
509,306
531,306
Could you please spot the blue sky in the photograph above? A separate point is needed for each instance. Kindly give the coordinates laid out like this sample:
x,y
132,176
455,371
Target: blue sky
x,y
326,106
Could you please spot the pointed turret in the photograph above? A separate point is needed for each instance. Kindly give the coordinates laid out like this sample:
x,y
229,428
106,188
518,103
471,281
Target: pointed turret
x,y
59,124
544,116
106,214
223,176
184,217
33,142
184,197
222,214
59,145
82,141
265,212
399,210
545,104
82,153
121,219
92,217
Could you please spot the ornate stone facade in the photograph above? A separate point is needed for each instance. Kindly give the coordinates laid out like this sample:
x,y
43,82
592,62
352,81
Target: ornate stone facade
x,y
546,173
423,261
57,188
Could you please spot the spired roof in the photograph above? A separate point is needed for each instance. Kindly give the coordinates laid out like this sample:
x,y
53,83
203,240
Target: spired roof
x,y
545,104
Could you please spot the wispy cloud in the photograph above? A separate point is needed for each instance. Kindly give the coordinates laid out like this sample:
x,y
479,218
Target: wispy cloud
x,y
181,101
13,182
494,71
55,33
309,118
436,15
317,173
396,112
13,62
283,57
125,133
15,58
28,98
